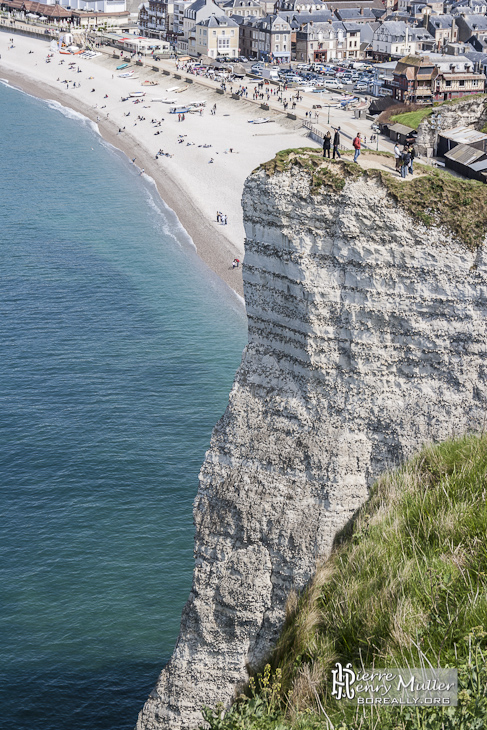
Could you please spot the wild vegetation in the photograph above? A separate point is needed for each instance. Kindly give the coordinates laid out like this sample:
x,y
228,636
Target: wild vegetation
x,y
406,585
433,197
412,115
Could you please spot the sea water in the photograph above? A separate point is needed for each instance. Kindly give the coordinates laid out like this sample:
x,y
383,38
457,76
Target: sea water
x,y
118,349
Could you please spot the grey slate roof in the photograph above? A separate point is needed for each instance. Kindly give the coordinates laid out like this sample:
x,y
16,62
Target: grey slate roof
x,y
355,14
218,21
441,21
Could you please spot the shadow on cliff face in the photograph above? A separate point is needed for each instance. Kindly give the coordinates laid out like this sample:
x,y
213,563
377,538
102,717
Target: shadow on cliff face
x,y
71,700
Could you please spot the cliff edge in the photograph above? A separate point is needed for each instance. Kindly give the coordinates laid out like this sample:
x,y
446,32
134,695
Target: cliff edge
x,y
366,340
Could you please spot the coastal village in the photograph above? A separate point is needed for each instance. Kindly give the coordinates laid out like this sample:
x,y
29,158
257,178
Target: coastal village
x,y
377,67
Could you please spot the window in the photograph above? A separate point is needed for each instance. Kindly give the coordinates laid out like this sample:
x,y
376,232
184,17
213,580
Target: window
x,y
214,32
461,83
447,83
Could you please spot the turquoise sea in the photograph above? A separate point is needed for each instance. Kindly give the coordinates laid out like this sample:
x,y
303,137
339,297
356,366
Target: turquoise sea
x,y
118,350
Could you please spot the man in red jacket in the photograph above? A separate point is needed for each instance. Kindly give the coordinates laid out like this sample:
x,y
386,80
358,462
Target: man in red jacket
x,y
356,143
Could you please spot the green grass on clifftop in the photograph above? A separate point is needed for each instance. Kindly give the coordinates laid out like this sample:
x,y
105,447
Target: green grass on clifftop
x,y
412,119
406,585
432,197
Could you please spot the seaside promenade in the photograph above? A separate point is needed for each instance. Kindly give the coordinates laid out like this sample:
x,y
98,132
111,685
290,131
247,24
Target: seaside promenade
x,y
200,164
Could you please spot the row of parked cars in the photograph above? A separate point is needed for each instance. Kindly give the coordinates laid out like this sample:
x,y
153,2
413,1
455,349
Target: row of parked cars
x,y
318,75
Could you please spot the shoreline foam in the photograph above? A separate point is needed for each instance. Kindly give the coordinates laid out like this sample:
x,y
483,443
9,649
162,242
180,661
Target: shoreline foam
x,y
187,185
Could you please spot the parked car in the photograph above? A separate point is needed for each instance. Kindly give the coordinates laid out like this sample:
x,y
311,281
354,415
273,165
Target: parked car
x,y
242,59
360,86
333,84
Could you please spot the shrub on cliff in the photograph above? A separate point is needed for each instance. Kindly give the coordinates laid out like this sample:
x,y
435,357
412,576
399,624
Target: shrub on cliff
x,y
406,585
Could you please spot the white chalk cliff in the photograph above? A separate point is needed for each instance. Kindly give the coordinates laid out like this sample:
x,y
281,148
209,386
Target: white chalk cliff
x,y
366,339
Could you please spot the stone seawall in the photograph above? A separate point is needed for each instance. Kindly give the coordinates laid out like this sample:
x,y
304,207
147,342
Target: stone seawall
x,y
366,340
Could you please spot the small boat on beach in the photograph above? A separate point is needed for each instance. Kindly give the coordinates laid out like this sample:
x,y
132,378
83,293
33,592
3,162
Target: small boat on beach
x,y
259,120
172,89
196,104
164,100
122,65
126,75
179,110
137,93
180,91
150,83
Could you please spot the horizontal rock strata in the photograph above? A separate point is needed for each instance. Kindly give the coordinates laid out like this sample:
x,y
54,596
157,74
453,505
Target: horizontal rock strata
x,y
366,340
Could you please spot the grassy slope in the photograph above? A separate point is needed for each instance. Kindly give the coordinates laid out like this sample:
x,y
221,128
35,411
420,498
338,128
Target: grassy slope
x,y
414,118
406,584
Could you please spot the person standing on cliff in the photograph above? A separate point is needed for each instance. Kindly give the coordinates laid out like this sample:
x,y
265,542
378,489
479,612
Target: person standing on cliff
x,y
413,155
356,144
327,145
336,143
398,156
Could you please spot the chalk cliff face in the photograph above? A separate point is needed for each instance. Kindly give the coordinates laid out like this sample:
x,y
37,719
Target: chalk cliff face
x,y
366,339
469,112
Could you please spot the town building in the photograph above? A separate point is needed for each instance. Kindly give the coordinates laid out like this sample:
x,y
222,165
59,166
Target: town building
x,y
215,37
193,14
397,39
155,18
245,8
273,37
443,29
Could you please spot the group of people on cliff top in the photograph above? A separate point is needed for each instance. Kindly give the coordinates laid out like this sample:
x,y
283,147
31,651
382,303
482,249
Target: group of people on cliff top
x,y
404,159
327,143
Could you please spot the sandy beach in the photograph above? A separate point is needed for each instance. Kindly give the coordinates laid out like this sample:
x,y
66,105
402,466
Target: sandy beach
x,y
196,181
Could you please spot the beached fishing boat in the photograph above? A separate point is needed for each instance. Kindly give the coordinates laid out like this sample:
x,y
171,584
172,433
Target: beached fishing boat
x,y
122,65
179,110
137,93
196,104
180,91
259,120
172,89
150,83
164,100
126,75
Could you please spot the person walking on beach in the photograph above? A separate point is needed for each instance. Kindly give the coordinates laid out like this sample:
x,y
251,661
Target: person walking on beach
x,y
336,143
327,145
356,144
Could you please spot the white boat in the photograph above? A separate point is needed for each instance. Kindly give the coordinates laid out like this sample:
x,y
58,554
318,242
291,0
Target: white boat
x,y
137,93
126,75
173,88
164,100
259,120
196,104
